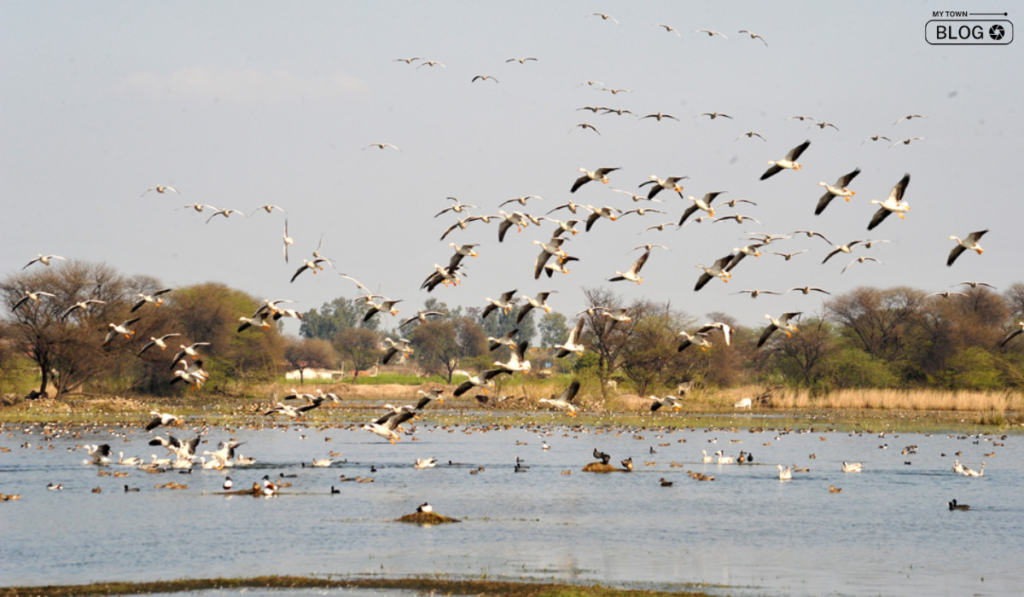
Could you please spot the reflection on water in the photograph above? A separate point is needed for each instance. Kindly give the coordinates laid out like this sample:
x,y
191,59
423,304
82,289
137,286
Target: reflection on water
x,y
889,532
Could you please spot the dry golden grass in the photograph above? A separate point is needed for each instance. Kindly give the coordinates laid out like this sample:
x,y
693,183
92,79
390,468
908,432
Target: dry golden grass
x,y
880,399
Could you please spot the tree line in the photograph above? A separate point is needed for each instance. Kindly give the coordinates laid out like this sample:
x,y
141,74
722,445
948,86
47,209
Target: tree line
x,y
866,338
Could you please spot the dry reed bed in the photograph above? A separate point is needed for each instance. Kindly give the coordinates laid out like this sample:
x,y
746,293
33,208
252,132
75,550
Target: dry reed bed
x,y
887,399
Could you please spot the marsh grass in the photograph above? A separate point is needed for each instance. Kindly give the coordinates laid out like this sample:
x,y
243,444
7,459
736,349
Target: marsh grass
x,y
420,585
885,399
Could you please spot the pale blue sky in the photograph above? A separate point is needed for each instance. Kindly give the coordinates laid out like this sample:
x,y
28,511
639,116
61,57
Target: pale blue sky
x,y
237,104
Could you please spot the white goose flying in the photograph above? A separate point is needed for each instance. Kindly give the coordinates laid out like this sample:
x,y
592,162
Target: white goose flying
x,y
121,328
780,323
44,259
153,299
715,271
506,303
601,175
541,302
788,162
967,244
703,204
573,343
564,401
159,342
893,203
34,296
633,274
837,190
671,183
754,36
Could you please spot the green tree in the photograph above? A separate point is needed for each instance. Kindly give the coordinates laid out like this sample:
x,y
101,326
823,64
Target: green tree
x,y
553,329
498,324
361,346
303,353
649,350
442,345
337,315
209,312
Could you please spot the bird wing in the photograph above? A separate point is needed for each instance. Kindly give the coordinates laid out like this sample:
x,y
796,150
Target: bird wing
x,y
901,186
502,229
765,334
303,268
703,280
571,391
577,332
640,262
847,178
957,250
879,216
794,153
522,312
579,182
591,219
823,202
686,214
1012,335
770,172
975,236
734,260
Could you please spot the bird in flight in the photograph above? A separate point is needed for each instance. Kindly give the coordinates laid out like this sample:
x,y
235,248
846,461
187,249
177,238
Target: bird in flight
x,y
711,33
601,174
751,134
483,78
967,244
670,28
754,36
875,138
788,162
520,60
909,117
585,126
604,17
382,146
905,141
44,259
161,189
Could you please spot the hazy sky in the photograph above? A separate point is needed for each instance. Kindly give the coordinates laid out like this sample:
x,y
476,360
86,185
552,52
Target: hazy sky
x,y
238,104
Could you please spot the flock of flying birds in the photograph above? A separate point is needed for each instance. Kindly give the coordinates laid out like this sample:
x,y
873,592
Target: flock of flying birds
x,y
553,256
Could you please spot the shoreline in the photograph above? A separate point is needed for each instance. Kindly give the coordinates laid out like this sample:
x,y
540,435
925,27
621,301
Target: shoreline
x,y
870,411
421,585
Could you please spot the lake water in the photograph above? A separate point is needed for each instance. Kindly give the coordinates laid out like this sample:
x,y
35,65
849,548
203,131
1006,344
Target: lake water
x,y
889,532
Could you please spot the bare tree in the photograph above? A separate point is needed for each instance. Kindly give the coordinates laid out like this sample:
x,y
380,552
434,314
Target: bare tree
x,y
67,350
880,322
